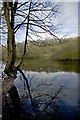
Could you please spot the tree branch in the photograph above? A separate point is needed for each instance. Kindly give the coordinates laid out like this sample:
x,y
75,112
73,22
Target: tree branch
x,y
27,87
25,37
48,104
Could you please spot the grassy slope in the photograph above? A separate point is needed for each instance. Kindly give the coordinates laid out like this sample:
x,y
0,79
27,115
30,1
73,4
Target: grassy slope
x,y
45,57
65,50
68,49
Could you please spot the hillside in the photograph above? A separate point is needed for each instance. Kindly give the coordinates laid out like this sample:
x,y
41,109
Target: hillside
x,y
55,56
51,56
67,49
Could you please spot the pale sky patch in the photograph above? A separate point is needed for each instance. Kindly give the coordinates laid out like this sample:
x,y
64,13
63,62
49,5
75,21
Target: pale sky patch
x,y
68,17
70,14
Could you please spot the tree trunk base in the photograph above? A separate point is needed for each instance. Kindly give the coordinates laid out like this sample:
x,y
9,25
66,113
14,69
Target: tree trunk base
x,y
11,108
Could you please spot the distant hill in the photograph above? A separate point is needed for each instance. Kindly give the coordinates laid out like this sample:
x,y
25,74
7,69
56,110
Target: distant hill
x,y
67,49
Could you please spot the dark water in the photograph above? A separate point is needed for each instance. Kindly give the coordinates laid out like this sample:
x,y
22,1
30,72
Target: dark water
x,y
44,85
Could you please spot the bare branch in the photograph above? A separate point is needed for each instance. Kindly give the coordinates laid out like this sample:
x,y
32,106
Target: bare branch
x,y
48,104
22,4
25,37
27,87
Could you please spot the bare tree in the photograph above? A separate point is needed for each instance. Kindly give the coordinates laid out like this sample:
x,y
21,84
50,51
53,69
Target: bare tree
x,y
36,18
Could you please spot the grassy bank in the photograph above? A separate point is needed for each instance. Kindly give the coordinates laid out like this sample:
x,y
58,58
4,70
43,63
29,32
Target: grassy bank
x,y
50,65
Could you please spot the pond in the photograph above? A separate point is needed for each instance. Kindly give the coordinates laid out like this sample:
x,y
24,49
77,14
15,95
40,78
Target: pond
x,y
44,85
58,90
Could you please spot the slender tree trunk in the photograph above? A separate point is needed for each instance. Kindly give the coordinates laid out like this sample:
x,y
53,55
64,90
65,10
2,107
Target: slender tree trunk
x,y
9,15
11,52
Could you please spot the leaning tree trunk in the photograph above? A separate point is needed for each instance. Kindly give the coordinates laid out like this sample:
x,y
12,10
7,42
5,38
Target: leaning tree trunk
x,y
9,15
15,102
11,105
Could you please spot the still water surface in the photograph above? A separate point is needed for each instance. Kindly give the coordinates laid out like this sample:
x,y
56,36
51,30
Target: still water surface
x,y
45,85
42,83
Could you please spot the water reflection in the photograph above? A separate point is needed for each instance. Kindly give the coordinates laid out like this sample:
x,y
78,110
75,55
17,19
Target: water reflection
x,y
42,83
53,66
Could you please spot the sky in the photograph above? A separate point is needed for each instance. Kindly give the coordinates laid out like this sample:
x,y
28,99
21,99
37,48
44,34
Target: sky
x,y
69,19
51,0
